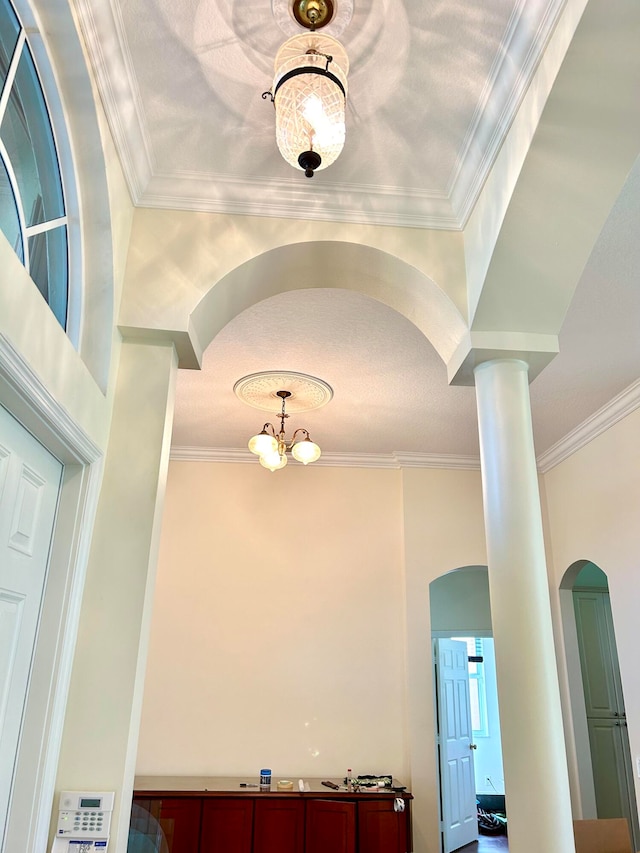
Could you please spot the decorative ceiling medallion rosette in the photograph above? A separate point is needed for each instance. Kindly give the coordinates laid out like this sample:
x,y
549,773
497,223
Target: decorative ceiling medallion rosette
x,y
260,390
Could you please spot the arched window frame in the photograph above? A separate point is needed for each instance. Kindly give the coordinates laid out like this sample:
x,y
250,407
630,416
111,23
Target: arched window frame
x,y
30,38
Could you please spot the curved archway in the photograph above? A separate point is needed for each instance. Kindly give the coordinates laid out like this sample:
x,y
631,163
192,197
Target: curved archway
x,y
569,577
333,264
603,755
459,602
461,612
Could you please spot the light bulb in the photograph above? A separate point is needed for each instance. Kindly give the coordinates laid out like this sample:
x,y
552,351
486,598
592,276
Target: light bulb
x,y
305,451
263,443
273,461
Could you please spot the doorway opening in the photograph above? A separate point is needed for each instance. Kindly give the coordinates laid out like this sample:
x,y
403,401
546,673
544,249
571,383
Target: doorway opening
x,y
605,767
472,795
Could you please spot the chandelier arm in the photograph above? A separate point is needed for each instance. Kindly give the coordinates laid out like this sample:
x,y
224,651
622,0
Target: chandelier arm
x,y
268,94
300,429
307,69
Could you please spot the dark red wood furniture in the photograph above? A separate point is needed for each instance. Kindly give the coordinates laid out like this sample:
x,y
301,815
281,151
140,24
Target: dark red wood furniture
x,y
207,815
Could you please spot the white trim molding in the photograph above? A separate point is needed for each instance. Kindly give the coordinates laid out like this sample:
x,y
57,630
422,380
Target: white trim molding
x,y
398,459
621,406
26,398
153,185
624,404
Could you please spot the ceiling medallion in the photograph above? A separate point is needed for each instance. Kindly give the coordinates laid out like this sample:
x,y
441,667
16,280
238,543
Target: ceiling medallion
x,y
260,390
272,390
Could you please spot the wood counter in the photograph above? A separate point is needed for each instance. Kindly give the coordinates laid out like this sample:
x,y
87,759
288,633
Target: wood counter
x,y
185,814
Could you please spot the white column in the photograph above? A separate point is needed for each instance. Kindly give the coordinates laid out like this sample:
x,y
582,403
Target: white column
x,y
535,767
100,736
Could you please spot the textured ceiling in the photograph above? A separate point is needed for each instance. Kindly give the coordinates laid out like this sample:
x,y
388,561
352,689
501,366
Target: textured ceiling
x,y
433,87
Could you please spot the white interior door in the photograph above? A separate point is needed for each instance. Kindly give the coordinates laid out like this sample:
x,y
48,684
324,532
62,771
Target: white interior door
x,y
455,741
30,479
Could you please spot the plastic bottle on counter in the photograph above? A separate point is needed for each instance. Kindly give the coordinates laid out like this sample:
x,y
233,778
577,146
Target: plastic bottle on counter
x,y
265,780
349,780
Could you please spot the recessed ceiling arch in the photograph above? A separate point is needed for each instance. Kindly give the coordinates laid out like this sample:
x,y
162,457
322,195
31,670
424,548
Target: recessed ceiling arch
x,y
333,264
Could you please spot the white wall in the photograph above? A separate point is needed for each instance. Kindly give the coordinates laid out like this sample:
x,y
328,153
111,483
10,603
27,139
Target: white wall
x,y
593,506
444,529
278,625
298,649
310,652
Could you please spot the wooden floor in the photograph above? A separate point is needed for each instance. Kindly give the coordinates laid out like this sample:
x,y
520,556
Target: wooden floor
x,y
486,844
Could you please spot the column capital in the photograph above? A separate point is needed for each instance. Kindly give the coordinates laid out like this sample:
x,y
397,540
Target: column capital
x,y
534,348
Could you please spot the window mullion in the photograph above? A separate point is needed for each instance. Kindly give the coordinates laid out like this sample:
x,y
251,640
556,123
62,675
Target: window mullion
x,y
49,225
11,73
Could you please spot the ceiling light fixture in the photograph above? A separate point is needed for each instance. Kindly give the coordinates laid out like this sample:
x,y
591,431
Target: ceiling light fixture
x,y
272,391
309,91
272,448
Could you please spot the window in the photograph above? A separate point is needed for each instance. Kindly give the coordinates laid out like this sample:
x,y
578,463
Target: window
x,y
477,689
32,208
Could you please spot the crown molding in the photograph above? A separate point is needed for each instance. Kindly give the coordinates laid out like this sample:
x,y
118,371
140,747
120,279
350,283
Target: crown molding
x,y
103,32
362,204
624,404
395,460
508,82
516,62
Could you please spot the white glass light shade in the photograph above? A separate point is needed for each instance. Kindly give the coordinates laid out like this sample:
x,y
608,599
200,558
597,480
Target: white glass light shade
x,y
305,451
274,461
263,443
310,105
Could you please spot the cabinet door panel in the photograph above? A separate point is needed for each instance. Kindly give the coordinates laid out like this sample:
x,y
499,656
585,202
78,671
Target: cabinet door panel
x,y
278,826
164,825
330,827
381,829
227,825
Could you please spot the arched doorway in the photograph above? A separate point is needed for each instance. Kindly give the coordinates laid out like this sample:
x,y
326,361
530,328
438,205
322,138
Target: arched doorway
x,y
461,620
602,742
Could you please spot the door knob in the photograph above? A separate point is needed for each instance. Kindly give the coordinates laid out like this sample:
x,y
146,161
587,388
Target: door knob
x,y
473,746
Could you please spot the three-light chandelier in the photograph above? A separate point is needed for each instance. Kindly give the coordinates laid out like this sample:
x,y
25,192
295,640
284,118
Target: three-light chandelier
x,y
309,91
271,391
272,449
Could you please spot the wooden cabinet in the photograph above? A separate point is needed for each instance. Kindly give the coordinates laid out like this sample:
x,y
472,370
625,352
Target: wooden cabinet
x,y
227,825
222,820
278,826
165,825
381,829
330,826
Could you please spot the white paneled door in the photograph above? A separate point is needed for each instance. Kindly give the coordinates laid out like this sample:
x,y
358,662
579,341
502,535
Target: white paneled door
x,y
30,479
455,741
